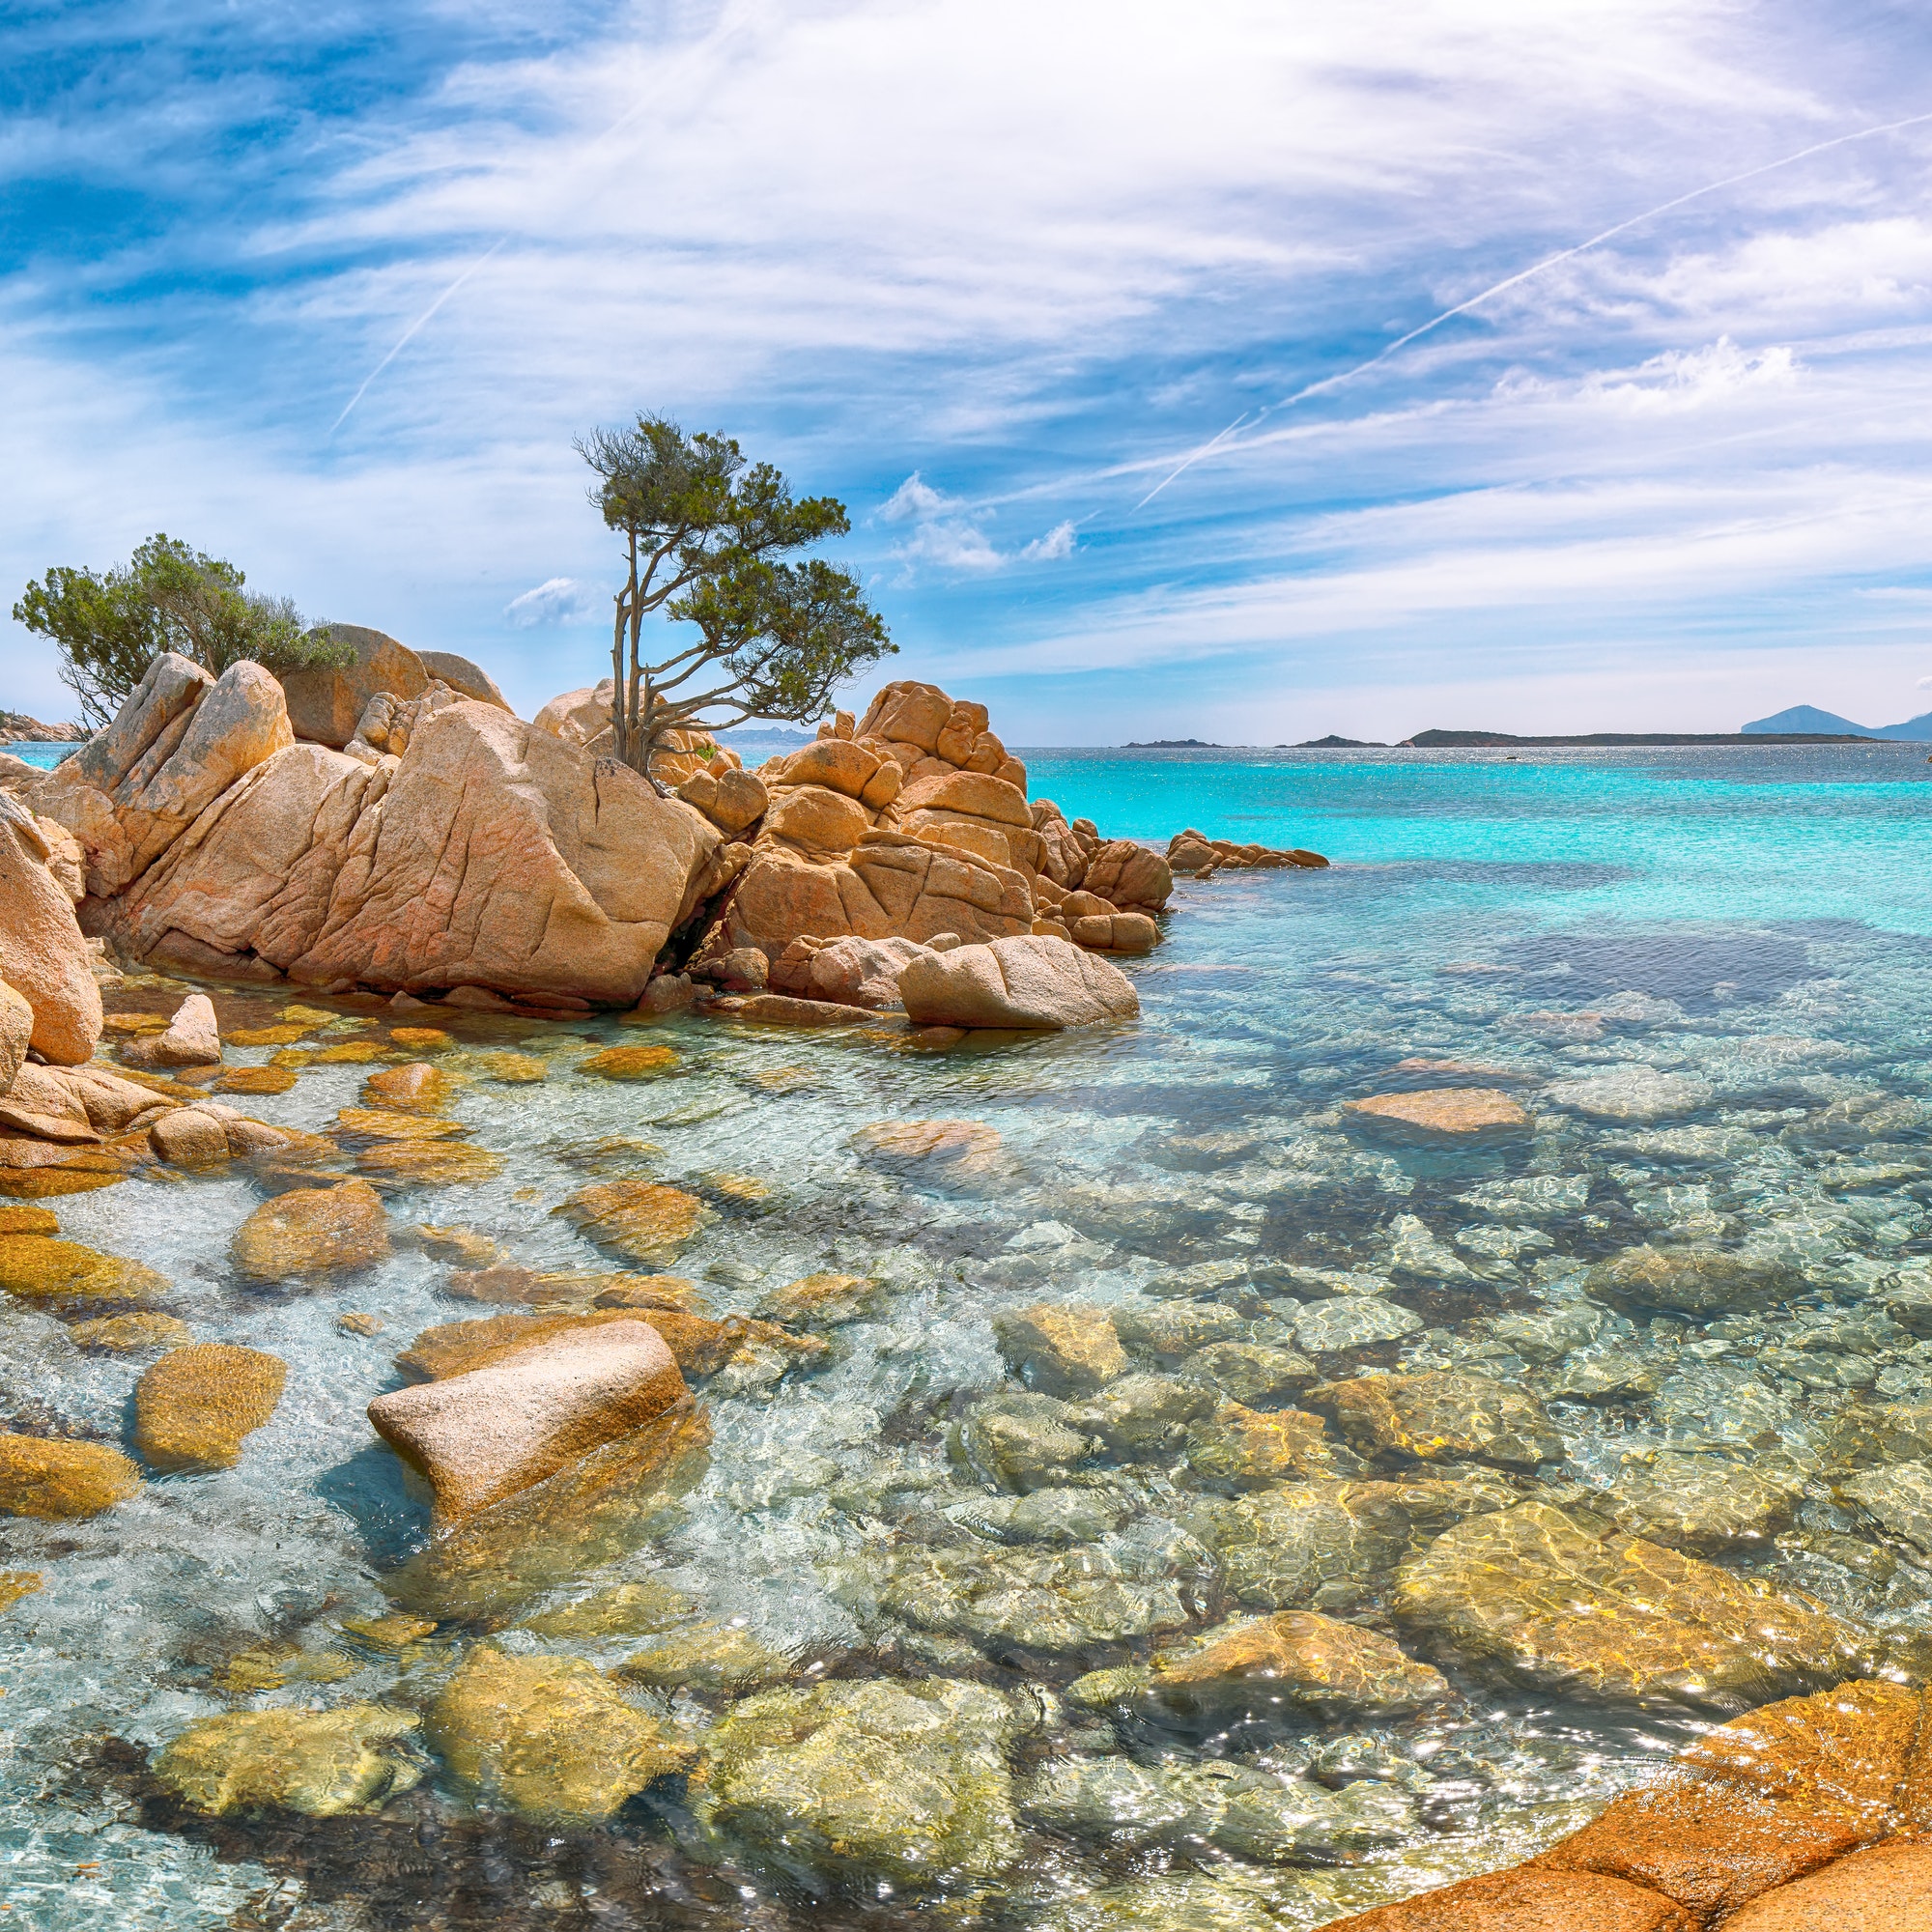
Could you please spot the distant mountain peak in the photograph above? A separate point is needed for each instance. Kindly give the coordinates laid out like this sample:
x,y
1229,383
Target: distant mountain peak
x,y
1808,718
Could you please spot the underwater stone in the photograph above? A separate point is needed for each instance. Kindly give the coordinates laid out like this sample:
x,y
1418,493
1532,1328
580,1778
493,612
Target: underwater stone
x,y
642,1220
1612,1376
863,1783
1173,1329
1703,1505
1633,1092
1353,1322
58,1479
1250,1373
131,1334
822,1300
417,1087
1062,1348
1442,1416
629,1063
1530,1594
320,1763
1020,1441
194,1405
1898,1499
1044,1515
49,1273
549,1737
1697,1281
715,1658
625,1609
1143,1415
1240,1448
313,1231
1444,1112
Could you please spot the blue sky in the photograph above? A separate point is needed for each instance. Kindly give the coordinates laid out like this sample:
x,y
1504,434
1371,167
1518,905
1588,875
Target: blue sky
x,y
990,272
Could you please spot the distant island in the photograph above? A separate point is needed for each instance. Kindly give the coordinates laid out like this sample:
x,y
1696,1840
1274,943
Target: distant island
x,y
1424,741
1172,744
1808,718
1331,743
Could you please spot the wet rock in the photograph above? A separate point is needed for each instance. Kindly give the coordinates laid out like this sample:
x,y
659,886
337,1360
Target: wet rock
x,y
1029,981
1698,1281
1551,1335
1612,1374
1529,1594
1444,1416
1239,1448
1536,1900
1025,1600
1878,1890
1292,1663
130,1334
1143,1415
593,1512
379,1123
1703,1505
1043,1516
624,1609
863,1784
822,1300
1353,1322
33,1168
194,1405
18,1583
187,1137
1899,1500
1250,1373
58,1479
1171,1330
629,1063
1630,1093
190,1039
714,1659
320,1763
1062,1348
313,1231
549,1737
1321,1546
65,1277
642,1220
1414,1250
416,1087
1444,1112
1020,1441
428,1164
480,1437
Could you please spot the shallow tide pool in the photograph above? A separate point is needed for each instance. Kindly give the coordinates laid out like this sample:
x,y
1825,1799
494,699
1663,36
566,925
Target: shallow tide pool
x,y
1704,977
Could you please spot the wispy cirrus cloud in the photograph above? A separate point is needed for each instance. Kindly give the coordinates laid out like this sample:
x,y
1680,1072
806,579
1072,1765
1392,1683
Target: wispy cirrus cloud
x,y
558,600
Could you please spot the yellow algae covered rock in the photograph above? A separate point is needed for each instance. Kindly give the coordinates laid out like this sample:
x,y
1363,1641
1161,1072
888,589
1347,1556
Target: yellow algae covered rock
x,y
428,1164
946,1150
28,1221
629,1063
320,1763
1241,1448
381,1123
312,1231
642,1220
821,1298
612,1502
255,1080
194,1405
349,1053
512,1069
1442,1416
464,1246
32,1169
131,1334
549,1737
267,1036
422,1039
417,1087
18,1583
713,1657
63,1275
58,1479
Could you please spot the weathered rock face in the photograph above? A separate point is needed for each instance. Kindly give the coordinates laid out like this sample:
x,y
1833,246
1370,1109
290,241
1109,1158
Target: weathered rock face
x,y
42,956
848,972
492,855
1442,1417
1128,876
732,799
194,1405
859,1784
16,1031
180,741
465,677
191,1038
1530,1594
479,1436
326,705
549,1737
320,1763
1031,982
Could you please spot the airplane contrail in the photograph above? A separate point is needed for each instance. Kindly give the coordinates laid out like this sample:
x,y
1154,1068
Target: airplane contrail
x,y
403,340
1524,274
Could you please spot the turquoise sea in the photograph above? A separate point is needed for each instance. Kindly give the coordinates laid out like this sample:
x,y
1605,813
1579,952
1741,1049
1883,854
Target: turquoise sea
x,y
1704,976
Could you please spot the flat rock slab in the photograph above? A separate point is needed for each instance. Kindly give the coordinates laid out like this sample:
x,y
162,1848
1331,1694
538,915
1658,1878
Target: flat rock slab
x,y
1447,1113
486,1435
312,1231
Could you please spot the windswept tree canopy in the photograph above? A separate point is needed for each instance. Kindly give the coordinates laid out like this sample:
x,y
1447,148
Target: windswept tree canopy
x,y
703,531
169,596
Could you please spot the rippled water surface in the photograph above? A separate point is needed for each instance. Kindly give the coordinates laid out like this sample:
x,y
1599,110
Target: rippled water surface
x,y
1705,975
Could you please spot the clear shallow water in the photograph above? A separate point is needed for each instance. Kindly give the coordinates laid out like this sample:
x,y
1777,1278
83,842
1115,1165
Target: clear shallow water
x,y
1751,932
46,756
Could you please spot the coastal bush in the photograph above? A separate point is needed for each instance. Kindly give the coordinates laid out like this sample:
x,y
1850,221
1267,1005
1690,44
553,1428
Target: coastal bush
x,y
702,533
110,626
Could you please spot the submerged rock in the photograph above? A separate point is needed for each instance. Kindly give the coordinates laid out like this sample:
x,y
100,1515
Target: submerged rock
x,y
642,1220
1698,1281
313,1231
715,1658
1444,1112
624,1609
1530,1594
549,1737
1240,1448
1143,1415
1353,1322
953,1152
320,1763
57,1480
1250,1373
1899,1500
1062,1348
62,1275
1703,1505
1021,1441
194,1405
131,1334
1444,1416
859,1785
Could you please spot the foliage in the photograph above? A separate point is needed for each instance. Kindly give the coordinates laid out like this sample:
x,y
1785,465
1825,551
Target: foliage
x,y
109,627
702,532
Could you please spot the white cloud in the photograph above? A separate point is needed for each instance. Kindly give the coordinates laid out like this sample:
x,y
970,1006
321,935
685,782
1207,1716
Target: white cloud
x,y
1923,684
558,600
1057,543
914,501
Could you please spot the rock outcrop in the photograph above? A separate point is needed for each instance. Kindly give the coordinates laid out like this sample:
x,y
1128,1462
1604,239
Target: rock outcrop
x,y
1195,855
44,958
326,705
